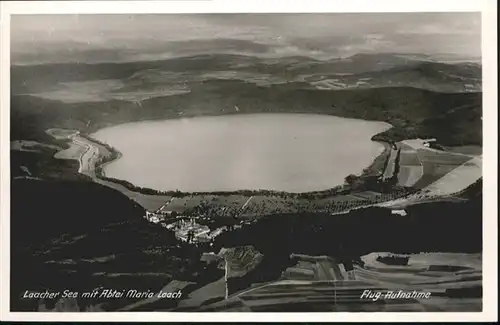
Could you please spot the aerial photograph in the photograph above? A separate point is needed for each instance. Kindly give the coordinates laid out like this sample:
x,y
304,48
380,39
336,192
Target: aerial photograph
x,y
246,162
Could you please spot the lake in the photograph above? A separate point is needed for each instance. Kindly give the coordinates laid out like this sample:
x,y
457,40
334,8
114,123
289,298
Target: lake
x,y
286,152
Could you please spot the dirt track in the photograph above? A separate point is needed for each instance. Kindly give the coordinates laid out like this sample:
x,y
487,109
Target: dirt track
x,y
88,154
422,275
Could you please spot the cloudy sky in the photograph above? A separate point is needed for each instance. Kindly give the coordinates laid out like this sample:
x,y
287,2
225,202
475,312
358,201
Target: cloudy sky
x,y
89,38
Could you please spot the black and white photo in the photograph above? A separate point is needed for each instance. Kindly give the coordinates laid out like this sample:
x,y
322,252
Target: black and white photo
x,y
246,162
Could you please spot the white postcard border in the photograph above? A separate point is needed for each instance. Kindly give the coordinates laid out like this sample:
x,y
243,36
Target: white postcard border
x,y
488,8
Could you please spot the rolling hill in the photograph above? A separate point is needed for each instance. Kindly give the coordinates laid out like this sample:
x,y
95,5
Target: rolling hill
x,y
399,69
416,95
412,111
83,236
89,235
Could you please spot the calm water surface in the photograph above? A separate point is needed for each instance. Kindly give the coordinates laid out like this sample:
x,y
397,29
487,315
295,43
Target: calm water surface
x,y
288,152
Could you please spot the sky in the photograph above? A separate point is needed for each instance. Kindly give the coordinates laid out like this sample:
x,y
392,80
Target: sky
x,y
92,37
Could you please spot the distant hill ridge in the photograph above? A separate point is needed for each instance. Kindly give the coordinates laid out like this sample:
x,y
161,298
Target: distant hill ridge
x,y
418,97
26,78
452,118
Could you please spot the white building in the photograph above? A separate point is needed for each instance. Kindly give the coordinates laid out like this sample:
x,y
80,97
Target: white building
x,y
153,217
400,212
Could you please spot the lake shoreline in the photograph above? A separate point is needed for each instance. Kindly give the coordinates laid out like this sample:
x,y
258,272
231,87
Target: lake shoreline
x,y
369,171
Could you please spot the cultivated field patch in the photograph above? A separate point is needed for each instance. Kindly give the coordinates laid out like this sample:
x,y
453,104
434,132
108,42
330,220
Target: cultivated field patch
x,y
61,133
441,157
458,179
466,150
421,167
409,159
367,195
432,172
73,152
230,201
409,175
31,146
389,170
150,202
188,202
426,179
274,204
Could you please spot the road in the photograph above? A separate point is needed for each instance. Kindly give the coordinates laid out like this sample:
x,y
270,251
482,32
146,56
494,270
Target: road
x,y
88,157
336,294
246,203
389,170
165,205
449,184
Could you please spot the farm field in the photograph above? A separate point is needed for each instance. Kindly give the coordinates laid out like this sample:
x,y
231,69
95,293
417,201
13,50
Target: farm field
x,y
421,166
181,204
61,133
409,156
466,150
320,283
31,146
431,173
441,174
410,166
389,169
458,179
437,157
409,175
275,204
444,188
314,268
88,153
259,205
73,152
434,169
367,195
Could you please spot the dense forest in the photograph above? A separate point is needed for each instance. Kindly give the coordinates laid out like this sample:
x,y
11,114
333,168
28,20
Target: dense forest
x,y
413,112
429,227
419,98
68,232
80,233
